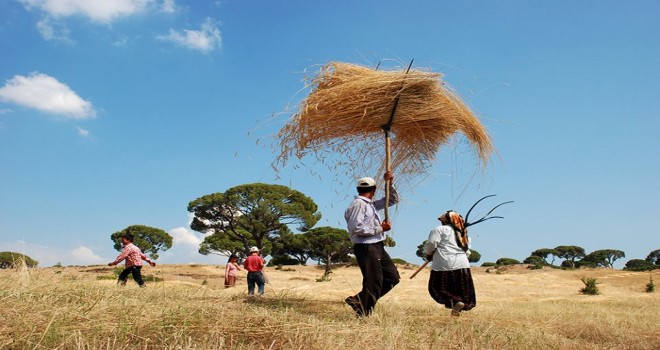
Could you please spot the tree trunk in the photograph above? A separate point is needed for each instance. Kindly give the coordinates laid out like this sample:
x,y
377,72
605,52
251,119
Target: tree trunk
x,y
327,265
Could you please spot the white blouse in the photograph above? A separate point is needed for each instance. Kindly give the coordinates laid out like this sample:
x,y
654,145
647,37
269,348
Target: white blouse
x,y
447,255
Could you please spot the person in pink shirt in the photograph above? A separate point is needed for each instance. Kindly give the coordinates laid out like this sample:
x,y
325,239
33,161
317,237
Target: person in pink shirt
x,y
133,256
231,271
254,264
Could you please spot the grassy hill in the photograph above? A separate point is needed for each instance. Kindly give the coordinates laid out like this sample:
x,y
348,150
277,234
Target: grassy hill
x,y
517,308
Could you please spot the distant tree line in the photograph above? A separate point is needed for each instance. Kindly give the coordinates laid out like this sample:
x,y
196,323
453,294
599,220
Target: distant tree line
x,y
263,215
573,257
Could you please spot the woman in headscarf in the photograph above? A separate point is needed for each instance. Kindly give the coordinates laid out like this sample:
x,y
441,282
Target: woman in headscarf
x,y
450,283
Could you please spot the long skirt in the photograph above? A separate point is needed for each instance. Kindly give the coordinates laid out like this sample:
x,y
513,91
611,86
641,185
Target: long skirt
x,y
450,287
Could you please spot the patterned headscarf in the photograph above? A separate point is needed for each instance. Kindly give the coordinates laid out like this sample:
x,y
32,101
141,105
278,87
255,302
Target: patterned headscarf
x,y
455,220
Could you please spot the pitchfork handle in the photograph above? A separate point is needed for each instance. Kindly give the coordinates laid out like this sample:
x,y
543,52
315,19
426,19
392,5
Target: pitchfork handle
x,y
419,269
388,146
388,167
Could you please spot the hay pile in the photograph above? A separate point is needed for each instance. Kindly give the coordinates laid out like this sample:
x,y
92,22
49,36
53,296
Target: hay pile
x,y
341,120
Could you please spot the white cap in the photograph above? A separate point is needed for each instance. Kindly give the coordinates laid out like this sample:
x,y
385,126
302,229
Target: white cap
x,y
254,249
366,182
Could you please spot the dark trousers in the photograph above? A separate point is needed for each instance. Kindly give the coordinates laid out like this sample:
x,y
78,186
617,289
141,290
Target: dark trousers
x,y
379,274
257,278
136,271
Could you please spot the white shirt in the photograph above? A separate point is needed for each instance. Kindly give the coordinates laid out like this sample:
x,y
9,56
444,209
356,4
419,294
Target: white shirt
x,y
362,218
447,255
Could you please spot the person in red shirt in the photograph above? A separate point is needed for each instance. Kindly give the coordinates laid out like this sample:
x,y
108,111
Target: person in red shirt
x,y
254,264
133,256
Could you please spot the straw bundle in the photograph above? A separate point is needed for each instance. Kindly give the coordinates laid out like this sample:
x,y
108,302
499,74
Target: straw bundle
x,y
342,118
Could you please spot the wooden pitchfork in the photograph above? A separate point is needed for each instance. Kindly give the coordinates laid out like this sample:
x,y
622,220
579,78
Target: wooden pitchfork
x,y
388,145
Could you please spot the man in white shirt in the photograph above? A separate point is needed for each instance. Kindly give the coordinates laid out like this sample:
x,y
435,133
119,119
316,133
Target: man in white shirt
x,y
367,230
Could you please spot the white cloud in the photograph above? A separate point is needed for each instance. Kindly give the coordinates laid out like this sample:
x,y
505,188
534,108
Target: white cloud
x,y
85,256
169,6
185,247
5,111
54,31
45,93
121,41
82,132
183,236
103,11
52,25
205,40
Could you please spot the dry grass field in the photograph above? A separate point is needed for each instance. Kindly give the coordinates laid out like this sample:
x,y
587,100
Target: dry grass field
x,y
70,308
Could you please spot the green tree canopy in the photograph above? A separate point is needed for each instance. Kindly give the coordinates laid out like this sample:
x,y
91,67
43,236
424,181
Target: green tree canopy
x,y
474,257
507,261
9,260
639,265
612,255
544,253
330,245
225,246
150,240
293,245
536,261
571,253
590,260
250,215
602,258
420,250
654,257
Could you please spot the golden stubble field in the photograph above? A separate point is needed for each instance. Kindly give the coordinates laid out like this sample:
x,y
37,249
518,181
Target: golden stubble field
x,y
69,308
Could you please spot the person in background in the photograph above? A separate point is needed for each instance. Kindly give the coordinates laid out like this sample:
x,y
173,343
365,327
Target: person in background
x,y
254,265
450,283
231,271
133,256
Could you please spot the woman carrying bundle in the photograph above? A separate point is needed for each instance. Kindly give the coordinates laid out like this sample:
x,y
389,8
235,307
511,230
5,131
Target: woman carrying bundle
x,y
450,283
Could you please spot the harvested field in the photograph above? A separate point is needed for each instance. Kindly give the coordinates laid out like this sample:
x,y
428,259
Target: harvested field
x,y
517,309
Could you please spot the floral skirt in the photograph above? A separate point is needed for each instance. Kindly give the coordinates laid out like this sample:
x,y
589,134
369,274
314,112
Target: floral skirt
x,y
450,287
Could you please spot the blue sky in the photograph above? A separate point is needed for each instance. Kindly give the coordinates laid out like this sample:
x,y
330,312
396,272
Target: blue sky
x,y
114,113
